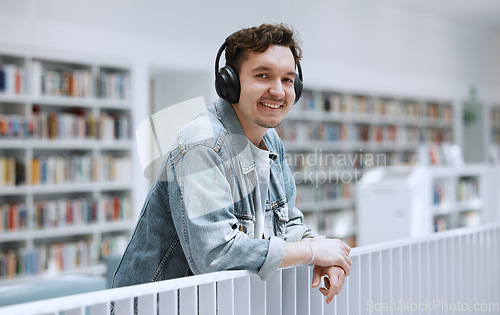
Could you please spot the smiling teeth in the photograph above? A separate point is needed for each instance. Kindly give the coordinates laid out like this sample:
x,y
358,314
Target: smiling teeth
x,y
271,106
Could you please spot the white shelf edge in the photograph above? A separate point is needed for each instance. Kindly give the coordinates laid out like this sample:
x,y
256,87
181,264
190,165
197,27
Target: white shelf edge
x,y
325,205
98,269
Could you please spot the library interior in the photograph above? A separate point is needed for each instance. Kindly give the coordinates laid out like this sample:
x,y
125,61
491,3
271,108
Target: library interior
x,y
396,135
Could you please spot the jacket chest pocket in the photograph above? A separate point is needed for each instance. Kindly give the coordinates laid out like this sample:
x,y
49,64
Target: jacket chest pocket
x,y
278,215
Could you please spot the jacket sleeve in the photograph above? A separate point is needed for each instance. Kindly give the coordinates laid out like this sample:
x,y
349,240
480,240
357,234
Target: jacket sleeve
x,y
202,206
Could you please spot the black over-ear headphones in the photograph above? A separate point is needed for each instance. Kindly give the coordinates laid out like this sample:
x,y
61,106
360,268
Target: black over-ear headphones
x,y
227,82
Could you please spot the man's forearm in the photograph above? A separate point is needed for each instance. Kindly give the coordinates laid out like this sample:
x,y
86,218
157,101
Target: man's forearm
x,y
297,253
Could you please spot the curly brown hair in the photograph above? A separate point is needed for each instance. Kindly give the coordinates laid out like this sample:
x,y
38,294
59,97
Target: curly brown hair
x,y
258,39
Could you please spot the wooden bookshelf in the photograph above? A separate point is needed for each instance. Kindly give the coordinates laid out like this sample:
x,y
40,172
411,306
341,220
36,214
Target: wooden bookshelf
x,y
333,137
65,164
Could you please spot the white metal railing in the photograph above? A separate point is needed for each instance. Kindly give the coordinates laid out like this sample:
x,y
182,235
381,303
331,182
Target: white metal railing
x,y
453,272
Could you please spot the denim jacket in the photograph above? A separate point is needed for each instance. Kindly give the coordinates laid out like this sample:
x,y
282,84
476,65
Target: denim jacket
x,y
199,214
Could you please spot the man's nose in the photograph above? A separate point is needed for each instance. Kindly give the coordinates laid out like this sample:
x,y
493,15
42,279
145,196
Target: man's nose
x,y
277,90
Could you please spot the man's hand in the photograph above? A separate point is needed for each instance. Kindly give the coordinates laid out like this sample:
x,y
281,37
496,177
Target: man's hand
x,y
330,252
333,282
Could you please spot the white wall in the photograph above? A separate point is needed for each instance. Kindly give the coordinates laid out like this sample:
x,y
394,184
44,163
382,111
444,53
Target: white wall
x,y
354,45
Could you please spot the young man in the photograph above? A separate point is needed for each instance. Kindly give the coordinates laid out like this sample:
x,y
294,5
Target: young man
x,y
226,197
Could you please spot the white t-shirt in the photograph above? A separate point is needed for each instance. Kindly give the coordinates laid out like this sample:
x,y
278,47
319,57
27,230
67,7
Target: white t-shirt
x,y
263,169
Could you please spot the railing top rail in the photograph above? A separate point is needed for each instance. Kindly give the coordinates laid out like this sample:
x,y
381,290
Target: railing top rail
x,y
423,239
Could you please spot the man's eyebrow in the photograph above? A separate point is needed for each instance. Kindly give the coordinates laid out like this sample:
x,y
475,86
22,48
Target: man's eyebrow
x,y
264,68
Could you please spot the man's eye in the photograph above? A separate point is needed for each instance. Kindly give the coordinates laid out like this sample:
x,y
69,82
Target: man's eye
x,y
262,75
288,80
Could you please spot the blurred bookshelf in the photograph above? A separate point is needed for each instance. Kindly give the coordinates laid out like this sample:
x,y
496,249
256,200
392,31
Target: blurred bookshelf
x,y
333,137
65,164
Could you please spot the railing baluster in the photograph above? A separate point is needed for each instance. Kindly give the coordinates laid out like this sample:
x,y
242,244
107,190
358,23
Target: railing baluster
x,y
365,283
146,304
317,301
274,294
225,297
258,294
168,303
242,296
188,301
98,309
342,300
207,299
303,292
376,287
289,301
75,311
355,284
406,267
124,306
386,280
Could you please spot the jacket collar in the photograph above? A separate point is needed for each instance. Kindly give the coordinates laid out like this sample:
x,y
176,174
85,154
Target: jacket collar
x,y
226,114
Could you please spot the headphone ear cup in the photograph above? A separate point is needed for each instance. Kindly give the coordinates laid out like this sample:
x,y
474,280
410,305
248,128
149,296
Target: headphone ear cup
x,y
227,84
298,86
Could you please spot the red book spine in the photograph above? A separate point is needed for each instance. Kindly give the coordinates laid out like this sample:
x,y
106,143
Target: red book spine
x,y
116,208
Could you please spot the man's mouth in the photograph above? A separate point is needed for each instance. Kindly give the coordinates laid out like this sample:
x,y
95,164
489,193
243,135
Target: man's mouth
x,y
270,105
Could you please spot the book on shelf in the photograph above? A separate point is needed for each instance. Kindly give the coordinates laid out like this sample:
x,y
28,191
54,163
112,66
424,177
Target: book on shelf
x,y
114,126
13,217
116,207
61,80
14,126
468,189
114,85
60,169
11,171
363,105
64,212
47,259
12,79
113,168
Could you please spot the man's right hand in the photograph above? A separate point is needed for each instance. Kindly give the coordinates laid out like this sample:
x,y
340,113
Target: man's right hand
x,y
330,252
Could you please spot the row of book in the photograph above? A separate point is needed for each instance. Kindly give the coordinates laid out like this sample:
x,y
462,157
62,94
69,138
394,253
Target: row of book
x,y
467,189
114,85
327,191
367,105
66,125
47,258
63,212
12,79
61,169
335,224
457,220
116,207
13,217
61,81
336,132
495,116
112,168
441,194
113,245
69,168
339,164
58,257
495,136
12,171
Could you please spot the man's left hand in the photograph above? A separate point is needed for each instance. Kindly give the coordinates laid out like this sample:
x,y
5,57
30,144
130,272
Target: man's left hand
x,y
333,282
